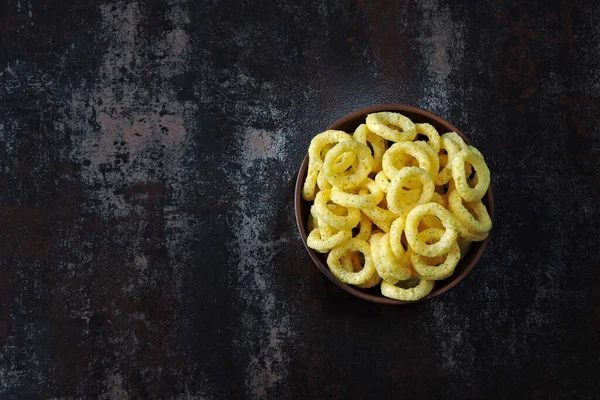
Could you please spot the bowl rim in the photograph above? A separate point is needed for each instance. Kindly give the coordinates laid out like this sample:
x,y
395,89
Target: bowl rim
x,y
298,202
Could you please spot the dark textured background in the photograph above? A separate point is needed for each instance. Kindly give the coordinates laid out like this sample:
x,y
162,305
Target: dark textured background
x,y
148,151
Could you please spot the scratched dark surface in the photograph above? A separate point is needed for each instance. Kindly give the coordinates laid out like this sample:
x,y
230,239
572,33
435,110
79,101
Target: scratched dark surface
x,y
148,151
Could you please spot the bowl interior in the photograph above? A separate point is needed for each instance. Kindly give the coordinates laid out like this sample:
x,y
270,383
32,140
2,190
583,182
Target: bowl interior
x,y
302,207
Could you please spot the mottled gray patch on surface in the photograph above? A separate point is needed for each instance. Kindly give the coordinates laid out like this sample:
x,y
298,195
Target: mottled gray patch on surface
x,y
132,141
441,43
266,328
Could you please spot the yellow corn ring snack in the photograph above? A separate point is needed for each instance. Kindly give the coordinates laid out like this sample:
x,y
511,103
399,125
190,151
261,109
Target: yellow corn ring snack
x,y
357,264
373,196
322,182
324,229
469,234
475,150
455,137
315,160
439,272
343,162
352,278
366,226
452,143
350,261
396,231
464,245
482,224
316,242
432,134
346,261
312,222
382,180
380,216
428,260
373,242
395,200
418,292
411,229
444,171
337,209
411,189
381,123
435,161
424,155
354,176
380,267
460,178
328,230
451,188
441,200
363,135
397,268
429,221
463,229
374,281
326,215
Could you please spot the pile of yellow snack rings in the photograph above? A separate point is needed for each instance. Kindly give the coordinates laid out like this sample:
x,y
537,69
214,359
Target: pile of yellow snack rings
x,y
391,209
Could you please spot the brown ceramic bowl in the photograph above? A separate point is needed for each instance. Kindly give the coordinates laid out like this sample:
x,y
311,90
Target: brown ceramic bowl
x,y
302,207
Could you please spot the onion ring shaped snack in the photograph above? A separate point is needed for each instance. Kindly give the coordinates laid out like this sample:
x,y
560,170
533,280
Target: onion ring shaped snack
x,y
452,143
315,160
418,292
460,177
326,215
363,135
316,242
353,278
424,155
381,123
412,222
356,175
446,268
396,202
432,134
371,198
